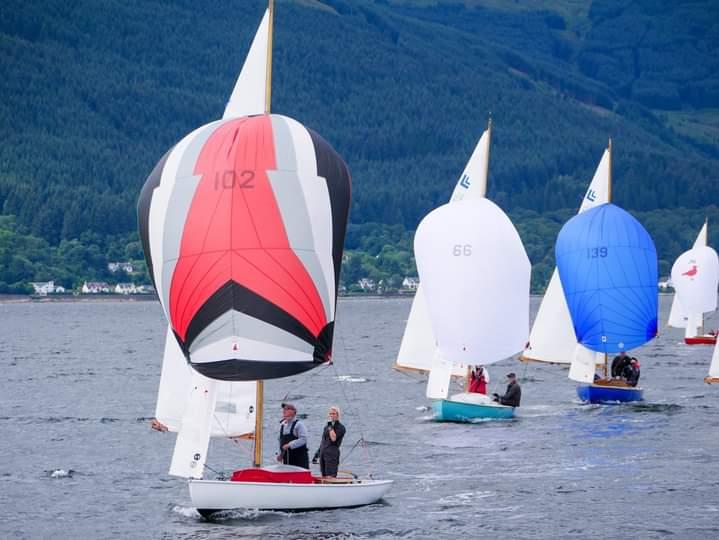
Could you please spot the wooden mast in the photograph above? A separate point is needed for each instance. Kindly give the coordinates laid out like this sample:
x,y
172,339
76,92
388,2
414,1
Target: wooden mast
x,y
486,177
609,199
259,398
706,243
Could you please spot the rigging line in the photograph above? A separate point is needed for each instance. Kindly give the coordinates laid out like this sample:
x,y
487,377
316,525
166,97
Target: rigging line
x,y
368,457
308,374
220,475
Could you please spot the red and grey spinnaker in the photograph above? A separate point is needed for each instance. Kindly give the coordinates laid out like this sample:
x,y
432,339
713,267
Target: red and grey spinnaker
x,y
243,224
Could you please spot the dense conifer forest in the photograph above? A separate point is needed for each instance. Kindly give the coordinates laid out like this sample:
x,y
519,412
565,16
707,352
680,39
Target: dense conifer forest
x,y
93,93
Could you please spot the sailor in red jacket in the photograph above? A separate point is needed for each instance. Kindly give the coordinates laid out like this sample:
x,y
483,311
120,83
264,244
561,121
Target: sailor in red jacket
x,y
478,379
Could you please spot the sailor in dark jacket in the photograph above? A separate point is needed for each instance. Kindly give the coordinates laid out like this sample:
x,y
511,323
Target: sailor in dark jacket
x,y
293,439
631,372
620,362
513,395
329,451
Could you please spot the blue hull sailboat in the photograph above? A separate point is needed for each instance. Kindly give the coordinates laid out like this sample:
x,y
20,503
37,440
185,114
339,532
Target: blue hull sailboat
x,y
608,268
598,393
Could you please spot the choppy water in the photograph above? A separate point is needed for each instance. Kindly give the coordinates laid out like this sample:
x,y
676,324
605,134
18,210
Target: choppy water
x,y
79,461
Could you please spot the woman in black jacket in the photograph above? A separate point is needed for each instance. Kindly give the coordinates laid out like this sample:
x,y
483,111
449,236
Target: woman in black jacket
x,y
329,451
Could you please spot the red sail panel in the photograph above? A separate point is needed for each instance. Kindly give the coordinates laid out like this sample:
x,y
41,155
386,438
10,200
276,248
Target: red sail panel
x,y
234,231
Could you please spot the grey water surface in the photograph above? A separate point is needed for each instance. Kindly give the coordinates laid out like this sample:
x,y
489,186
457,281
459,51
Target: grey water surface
x,y
78,459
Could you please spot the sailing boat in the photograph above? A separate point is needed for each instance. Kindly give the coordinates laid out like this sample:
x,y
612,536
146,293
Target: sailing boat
x,y
243,223
552,339
695,276
607,265
418,346
713,376
475,274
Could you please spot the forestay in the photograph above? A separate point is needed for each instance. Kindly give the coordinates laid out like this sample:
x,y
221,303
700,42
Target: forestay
x,y
607,264
476,274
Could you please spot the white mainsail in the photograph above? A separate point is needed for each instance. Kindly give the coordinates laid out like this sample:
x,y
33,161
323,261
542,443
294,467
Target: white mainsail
x,y
417,350
552,338
476,276
227,409
695,275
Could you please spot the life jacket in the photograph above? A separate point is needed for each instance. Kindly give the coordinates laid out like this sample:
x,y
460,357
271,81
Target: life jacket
x,y
293,456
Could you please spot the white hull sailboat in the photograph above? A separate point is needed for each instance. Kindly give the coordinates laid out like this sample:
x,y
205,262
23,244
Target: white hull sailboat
x,y
210,496
695,275
242,224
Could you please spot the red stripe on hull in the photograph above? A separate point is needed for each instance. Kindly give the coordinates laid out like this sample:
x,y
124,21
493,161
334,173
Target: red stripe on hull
x,y
234,231
700,340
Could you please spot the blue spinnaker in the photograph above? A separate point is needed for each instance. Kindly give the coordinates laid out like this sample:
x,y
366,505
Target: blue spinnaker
x,y
607,264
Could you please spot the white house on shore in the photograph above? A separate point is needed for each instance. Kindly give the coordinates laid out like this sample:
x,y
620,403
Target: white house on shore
x,y
367,284
124,266
95,287
410,283
126,288
43,288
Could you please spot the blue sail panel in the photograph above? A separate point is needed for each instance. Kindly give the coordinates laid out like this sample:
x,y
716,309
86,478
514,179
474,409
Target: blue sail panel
x,y
607,265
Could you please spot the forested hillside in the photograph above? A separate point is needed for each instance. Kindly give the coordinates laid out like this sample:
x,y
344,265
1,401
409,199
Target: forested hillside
x,y
94,93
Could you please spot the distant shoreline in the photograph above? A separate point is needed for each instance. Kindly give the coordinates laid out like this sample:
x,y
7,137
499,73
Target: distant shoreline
x,y
55,298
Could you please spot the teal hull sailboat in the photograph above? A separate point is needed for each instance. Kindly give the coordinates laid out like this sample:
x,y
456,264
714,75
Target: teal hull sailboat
x,y
475,278
461,408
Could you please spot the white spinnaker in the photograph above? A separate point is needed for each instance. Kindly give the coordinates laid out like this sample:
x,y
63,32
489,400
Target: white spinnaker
x,y
417,350
695,276
552,338
476,276
679,317
249,95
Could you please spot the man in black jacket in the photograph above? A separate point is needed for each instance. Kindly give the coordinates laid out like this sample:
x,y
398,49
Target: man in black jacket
x,y
513,395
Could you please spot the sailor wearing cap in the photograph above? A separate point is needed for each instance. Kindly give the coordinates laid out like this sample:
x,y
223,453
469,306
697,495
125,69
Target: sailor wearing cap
x,y
293,439
513,395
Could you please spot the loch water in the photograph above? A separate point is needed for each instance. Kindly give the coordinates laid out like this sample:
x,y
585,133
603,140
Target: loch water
x,y
78,460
